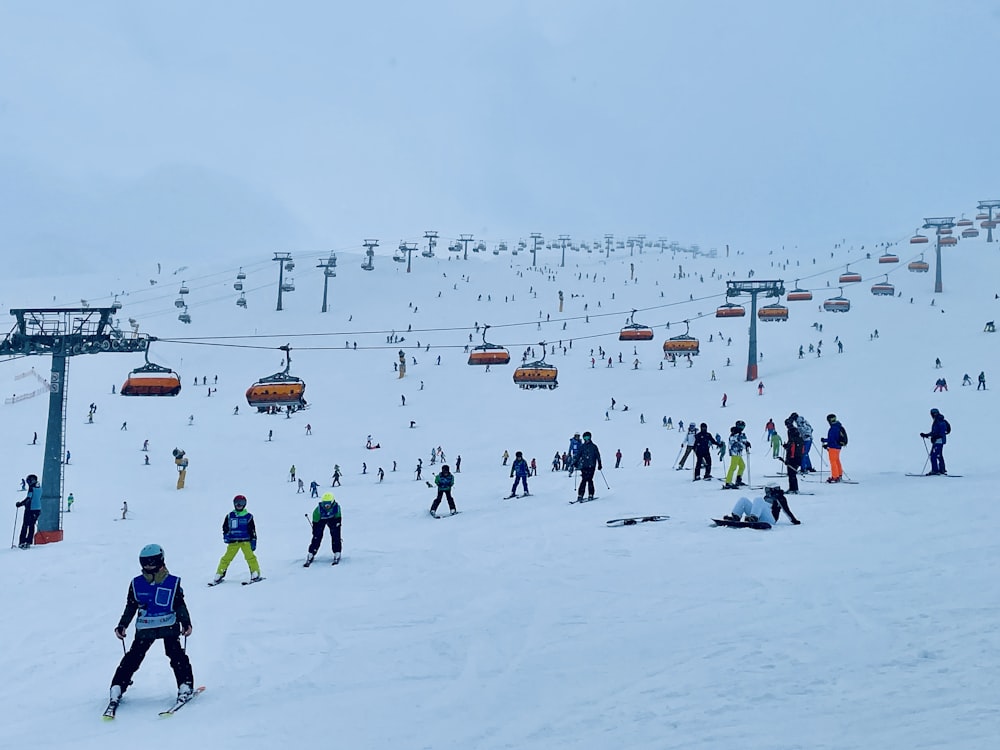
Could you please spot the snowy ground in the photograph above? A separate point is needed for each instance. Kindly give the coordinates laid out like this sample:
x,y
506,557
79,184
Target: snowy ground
x,y
523,623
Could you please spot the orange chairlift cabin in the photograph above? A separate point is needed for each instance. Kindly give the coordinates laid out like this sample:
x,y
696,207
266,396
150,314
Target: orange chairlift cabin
x,y
776,311
280,389
537,374
969,232
837,304
799,295
730,310
948,241
888,258
884,288
918,239
683,344
488,354
635,332
849,276
151,380
919,266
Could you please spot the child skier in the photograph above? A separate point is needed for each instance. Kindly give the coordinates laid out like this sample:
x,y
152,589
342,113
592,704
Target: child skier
x,y
326,515
519,470
158,599
444,481
239,533
738,443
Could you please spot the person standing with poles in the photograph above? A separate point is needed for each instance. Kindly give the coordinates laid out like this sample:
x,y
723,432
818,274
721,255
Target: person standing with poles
x,y
519,472
444,482
588,459
703,442
836,438
688,445
325,516
938,436
155,598
32,505
738,443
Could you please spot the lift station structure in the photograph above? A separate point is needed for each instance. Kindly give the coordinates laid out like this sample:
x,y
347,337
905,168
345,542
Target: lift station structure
x,y
62,332
754,288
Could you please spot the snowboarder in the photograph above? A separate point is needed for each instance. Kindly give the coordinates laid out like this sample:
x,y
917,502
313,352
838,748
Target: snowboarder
x,y
326,515
703,442
32,505
506,457
836,438
444,482
688,445
157,598
588,458
938,435
519,471
240,533
738,443
765,509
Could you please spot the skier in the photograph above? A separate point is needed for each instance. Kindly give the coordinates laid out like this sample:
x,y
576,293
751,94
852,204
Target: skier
x,y
765,509
458,464
836,438
981,386
775,443
688,445
646,457
336,475
806,431
738,443
618,458
703,442
32,505
158,599
239,533
555,462
69,502
381,474
326,515
444,481
533,466
506,458
939,436
794,451
574,447
588,457
291,474
314,489
519,471
301,486
420,466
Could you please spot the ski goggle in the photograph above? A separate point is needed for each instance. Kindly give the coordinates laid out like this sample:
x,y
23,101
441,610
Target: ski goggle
x,y
586,437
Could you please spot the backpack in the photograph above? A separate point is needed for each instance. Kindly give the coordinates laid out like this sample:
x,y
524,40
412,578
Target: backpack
x,y
843,436
947,427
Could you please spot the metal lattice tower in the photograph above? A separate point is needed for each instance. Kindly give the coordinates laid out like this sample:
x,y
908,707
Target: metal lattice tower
x,y
431,237
563,240
63,333
465,239
943,222
284,260
536,240
772,288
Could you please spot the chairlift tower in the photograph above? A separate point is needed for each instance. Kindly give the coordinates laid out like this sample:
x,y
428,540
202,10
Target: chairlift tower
x,y
609,242
431,237
63,333
641,241
536,242
773,288
465,239
370,245
943,222
281,259
329,267
408,248
563,240
989,207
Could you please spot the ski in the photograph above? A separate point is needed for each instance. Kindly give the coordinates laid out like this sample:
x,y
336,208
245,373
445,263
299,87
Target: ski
x,y
109,712
584,500
511,497
336,561
445,515
307,563
635,520
182,702
253,580
842,481
934,475
760,525
216,583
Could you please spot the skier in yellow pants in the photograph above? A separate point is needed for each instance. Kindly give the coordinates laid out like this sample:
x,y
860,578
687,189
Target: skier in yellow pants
x,y
239,533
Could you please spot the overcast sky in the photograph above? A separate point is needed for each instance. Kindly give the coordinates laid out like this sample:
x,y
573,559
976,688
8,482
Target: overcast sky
x,y
245,127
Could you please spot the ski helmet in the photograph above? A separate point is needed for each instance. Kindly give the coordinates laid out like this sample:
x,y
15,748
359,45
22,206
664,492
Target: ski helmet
x,y
934,413
692,428
773,491
586,435
31,479
703,426
794,415
831,417
240,502
151,556
327,497
740,424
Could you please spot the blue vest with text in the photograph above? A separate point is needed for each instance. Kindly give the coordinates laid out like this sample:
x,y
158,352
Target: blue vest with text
x,y
156,602
237,530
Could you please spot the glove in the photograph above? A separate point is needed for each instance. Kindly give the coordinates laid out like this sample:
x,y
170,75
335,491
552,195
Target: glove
x,y
120,632
253,545
512,474
925,434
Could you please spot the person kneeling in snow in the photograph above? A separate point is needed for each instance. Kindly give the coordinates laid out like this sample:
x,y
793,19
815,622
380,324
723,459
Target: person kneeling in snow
x,y
765,509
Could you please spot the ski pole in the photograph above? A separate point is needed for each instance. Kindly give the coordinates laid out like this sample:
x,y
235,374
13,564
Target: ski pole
x,y
605,479
928,451
13,534
678,455
308,520
749,481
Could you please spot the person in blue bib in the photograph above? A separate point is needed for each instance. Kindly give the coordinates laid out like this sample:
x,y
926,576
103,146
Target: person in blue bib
x,y
32,505
156,601
326,515
239,533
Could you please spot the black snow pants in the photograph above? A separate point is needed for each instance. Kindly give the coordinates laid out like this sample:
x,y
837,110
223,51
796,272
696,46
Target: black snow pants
x,y
132,660
317,538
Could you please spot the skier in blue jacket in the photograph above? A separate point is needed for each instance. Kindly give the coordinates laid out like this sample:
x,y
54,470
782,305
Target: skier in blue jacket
x,y
519,470
938,436
32,505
